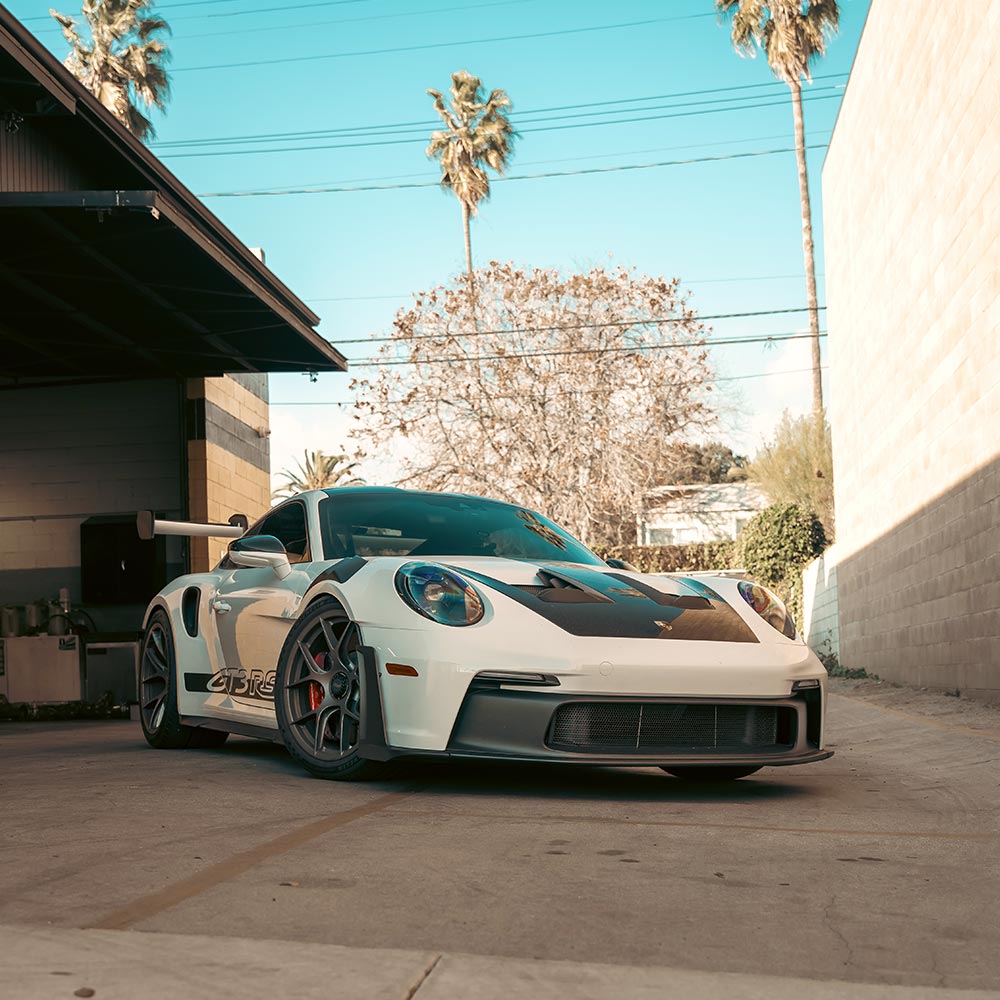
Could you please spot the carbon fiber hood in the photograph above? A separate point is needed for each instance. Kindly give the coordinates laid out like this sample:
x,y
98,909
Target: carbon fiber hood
x,y
588,601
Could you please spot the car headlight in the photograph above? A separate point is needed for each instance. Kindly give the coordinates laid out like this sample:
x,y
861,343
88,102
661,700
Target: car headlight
x,y
438,594
769,606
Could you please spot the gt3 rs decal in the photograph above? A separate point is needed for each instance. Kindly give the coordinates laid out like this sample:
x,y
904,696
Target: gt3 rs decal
x,y
234,681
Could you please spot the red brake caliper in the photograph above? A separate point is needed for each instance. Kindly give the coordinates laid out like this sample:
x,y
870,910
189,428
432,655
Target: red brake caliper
x,y
315,689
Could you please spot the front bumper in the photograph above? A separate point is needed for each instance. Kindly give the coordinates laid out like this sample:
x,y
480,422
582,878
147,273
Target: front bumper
x,y
501,722
496,721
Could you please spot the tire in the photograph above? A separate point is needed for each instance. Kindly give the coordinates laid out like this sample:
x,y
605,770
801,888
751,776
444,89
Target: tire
x,y
161,724
317,695
699,772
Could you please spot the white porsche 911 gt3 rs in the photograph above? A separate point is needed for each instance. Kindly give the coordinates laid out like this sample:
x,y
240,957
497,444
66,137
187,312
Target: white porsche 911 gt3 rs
x,y
362,624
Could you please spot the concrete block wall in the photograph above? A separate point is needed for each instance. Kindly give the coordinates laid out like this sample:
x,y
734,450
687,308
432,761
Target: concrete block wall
x,y
911,190
820,609
228,456
68,453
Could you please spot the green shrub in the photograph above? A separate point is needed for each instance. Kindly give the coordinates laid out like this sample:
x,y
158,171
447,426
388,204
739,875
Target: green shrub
x,y
776,545
700,557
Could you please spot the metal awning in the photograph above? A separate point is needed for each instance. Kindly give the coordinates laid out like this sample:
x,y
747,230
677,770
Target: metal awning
x,y
117,283
138,279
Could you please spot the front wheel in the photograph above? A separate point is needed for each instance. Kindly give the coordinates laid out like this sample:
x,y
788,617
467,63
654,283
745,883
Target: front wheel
x,y
698,772
317,695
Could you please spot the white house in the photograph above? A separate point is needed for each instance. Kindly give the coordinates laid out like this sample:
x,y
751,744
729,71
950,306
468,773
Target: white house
x,y
704,512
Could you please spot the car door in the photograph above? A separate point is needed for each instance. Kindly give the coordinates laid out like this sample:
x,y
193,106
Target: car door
x,y
253,609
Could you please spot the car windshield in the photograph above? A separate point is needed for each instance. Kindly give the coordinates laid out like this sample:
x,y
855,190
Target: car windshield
x,y
427,524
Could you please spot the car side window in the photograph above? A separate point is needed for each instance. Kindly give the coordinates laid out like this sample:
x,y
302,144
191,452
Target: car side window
x,y
288,525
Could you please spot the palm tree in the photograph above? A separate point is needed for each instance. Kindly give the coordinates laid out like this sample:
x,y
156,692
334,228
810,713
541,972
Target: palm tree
x,y
123,64
317,471
478,134
791,38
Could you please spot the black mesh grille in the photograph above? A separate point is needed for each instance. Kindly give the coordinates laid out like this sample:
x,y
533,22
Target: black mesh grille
x,y
646,727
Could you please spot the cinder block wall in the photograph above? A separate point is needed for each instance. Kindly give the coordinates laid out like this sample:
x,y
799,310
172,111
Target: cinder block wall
x,y
820,617
911,193
70,452
228,456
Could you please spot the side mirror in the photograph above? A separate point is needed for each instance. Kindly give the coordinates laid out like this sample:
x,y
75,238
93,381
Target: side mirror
x,y
621,564
258,551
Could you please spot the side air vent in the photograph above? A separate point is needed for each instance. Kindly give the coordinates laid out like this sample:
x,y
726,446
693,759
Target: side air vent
x,y
189,610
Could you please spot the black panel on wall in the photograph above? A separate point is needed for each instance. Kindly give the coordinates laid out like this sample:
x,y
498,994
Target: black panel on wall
x,y
118,567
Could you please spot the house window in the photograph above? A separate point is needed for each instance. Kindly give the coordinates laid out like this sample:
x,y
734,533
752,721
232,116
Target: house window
x,y
660,536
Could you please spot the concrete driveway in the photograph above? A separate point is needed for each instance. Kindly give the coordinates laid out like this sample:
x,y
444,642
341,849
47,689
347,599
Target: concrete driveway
x,y
246,877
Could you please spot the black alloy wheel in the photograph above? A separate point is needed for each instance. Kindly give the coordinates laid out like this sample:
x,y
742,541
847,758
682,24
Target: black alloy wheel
x,y
158,715
317,694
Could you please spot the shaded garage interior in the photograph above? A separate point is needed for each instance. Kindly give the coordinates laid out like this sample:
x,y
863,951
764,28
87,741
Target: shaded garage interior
x,y
136,335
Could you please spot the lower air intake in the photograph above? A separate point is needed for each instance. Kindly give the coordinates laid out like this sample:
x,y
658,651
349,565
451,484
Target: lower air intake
x,y
649,727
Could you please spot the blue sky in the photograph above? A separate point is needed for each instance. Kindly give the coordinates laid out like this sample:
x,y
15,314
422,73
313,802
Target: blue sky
x,y
356,256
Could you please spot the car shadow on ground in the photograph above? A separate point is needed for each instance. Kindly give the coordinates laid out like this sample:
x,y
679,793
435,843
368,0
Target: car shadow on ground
x,y
544,781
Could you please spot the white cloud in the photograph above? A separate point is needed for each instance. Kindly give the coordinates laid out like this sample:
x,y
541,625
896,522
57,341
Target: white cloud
x,y
295,430
760,402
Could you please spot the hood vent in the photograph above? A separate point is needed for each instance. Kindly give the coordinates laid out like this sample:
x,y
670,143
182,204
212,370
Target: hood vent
x,y
559,589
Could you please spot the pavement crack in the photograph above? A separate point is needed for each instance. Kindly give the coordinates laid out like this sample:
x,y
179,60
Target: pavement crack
x,y
836,931
423,977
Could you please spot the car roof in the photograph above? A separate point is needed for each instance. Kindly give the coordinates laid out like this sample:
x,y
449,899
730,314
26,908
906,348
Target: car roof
x,y
376,490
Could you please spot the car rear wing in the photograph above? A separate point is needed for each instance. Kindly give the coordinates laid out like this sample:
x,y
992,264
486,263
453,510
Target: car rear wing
x,y
149,525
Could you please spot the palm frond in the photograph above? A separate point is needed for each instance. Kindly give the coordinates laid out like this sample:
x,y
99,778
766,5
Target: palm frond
x,y
791,37
477,134
123,63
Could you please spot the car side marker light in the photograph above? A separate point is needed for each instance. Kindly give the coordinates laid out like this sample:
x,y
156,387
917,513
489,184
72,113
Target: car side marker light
x,y
401,670
805,685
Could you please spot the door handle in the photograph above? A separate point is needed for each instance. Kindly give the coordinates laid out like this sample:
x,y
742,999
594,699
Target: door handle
x,y
221,607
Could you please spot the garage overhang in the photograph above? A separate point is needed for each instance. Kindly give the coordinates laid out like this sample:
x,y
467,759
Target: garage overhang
x,y
109,266
121,284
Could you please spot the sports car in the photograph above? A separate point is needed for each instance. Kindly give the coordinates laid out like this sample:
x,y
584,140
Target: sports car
x,y
362,624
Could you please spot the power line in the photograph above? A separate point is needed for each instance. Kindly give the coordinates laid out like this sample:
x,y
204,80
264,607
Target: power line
x,y
631,349
355,20
510,177
429,123
535,163
205,3
270,10
436,45
620,324
567,392
524,131
160,7
691,281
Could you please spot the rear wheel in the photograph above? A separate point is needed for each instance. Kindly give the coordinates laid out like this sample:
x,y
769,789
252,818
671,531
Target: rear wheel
x,y
317,695
698,772
161,724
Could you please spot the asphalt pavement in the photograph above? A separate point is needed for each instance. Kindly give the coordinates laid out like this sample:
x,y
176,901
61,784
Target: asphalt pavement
x,y
229,872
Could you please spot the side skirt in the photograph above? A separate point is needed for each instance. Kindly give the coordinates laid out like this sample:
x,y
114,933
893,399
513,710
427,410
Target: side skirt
x,y
236,728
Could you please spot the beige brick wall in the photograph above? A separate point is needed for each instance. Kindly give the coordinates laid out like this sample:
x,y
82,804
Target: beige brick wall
x,y
73,451
219,482
911,192
820,623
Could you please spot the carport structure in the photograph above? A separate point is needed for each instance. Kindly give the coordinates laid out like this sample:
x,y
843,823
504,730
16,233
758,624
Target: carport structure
x,y
136,332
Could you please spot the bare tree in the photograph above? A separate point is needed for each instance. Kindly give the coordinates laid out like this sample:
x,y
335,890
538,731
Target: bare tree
x,y
565,394
792,35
